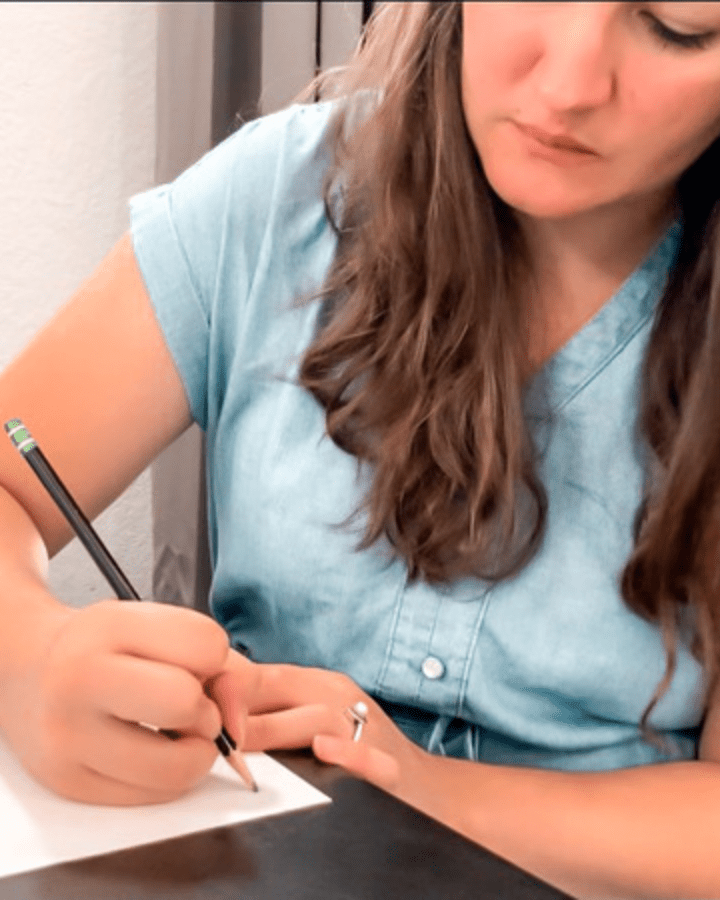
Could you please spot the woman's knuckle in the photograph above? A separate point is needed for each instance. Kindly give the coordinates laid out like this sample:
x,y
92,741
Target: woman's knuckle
x,y
194,693
341,683
218,644
189,701
102,618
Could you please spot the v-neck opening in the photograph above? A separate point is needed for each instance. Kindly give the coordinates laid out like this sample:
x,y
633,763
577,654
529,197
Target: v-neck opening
x,y
602,337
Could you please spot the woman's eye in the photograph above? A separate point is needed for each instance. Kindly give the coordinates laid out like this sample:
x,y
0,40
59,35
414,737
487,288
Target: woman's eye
x,y
668,37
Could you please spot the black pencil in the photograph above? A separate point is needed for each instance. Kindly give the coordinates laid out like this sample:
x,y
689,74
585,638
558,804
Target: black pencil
x,y
103,559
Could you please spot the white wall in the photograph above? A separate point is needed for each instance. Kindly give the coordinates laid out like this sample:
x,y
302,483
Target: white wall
x,y
77,107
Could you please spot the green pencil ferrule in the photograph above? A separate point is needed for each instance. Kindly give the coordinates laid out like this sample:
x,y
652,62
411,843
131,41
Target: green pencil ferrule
x,y
20,436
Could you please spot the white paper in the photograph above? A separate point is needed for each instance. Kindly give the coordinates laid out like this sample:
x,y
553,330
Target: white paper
x,y
38,828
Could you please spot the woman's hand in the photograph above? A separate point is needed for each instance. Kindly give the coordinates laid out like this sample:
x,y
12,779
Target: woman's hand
x,y
294,706
71,715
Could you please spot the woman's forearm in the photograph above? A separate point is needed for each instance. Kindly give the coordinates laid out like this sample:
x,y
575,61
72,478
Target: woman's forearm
x,y
650,831
26,605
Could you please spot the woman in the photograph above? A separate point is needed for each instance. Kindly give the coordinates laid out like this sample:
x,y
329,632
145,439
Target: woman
x,y
451,336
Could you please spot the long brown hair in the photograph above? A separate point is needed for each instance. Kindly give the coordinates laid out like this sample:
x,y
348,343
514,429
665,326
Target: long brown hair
x,y
421,361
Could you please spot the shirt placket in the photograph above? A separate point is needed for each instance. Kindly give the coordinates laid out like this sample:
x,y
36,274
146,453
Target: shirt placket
x,y
431,645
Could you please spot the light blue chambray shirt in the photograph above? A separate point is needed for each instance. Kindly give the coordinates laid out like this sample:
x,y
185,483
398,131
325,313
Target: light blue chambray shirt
x,y
548,668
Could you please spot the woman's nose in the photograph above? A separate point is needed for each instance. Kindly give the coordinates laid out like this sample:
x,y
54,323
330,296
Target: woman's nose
x,y
576,69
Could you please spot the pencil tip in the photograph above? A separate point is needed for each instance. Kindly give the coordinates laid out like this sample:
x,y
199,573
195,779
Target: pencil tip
x,y
241,767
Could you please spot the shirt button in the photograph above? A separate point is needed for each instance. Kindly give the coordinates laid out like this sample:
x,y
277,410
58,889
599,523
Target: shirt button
x,y
433,668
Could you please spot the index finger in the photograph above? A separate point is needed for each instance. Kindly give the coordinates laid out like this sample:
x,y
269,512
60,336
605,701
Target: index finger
x,y
271,687
170,634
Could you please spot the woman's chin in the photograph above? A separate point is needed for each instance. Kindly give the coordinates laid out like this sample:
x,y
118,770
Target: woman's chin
x,y
545,208
542,199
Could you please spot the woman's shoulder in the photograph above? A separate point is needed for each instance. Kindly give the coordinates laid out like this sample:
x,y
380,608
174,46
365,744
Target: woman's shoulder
x,y
229,197
302,122
227,227
288,146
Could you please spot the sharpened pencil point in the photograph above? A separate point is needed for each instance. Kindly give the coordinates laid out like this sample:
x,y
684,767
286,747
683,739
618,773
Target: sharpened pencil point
x,y
240,766
227,746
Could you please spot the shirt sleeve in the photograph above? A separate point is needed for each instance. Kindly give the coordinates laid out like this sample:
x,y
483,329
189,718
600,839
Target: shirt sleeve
x,y
183,232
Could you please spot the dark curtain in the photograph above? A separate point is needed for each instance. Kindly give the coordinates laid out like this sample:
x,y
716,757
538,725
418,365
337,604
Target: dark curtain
x,y
210,80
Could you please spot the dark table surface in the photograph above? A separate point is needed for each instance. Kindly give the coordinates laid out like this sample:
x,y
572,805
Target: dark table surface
x,y
362,846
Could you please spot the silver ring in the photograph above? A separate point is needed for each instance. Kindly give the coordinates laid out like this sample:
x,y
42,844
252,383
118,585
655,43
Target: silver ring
x,y
358,715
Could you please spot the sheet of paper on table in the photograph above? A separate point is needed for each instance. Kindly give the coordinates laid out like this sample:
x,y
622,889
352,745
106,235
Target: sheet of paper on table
x,y
38,828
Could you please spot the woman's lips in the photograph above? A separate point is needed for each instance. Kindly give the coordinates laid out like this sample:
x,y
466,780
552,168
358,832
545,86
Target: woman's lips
x,y
554,141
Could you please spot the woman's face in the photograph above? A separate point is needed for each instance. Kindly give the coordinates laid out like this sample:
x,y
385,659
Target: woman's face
x,y
637,84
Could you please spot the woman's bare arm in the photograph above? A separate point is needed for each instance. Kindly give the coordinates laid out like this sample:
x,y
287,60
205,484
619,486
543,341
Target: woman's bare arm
x,y
99,391
645,832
